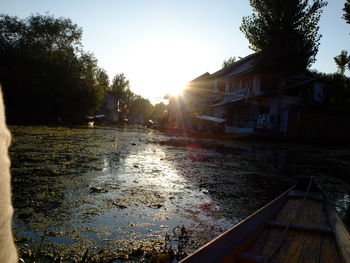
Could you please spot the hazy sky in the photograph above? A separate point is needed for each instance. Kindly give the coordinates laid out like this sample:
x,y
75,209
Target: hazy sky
x,y
161,45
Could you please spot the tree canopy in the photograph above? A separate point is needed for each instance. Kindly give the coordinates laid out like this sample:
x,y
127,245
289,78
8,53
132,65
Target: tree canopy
x,y
342,61
44,71
346,10
120,83
228,62
284,33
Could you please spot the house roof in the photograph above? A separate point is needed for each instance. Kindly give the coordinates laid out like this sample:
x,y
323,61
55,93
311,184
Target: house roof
x,y
199,84
229,100
204,76
234,66
210,118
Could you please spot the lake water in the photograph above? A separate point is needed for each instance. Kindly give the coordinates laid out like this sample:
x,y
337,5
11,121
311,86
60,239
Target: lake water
x,y
131,188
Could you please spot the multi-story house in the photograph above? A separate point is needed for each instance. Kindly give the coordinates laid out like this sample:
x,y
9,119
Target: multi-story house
x,y
244,100
252,101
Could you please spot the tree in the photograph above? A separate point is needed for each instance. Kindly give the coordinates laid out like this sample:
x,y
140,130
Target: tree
x,y
120,84
338,91
284,33
346,10
228,62
342,61
140,109
44,71
102,79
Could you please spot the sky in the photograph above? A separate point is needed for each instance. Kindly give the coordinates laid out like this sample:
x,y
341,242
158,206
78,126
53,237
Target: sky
x,y
161,45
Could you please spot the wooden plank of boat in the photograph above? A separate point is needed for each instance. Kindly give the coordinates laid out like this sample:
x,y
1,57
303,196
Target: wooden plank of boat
x,y
298,226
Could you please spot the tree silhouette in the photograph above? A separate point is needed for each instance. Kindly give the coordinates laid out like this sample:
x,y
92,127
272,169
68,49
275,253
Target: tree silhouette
x,y
102,79
342,61
228,62
346,10
44,71
284,33
119,84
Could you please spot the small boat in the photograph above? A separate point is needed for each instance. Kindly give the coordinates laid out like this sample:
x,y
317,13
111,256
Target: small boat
x,y
298,226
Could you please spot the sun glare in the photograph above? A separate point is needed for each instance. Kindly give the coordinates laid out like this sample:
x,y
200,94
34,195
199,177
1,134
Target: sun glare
x,y
165,65
177,91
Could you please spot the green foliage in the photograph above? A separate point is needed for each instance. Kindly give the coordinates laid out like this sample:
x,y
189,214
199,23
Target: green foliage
x,y
102,79
137,108
44,71
346,10
119,84
158,111
141,107
228,62
338,90
342,61
284,33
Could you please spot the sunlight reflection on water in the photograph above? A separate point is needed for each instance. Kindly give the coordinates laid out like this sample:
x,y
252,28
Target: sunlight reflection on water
x,y
114,187
143,194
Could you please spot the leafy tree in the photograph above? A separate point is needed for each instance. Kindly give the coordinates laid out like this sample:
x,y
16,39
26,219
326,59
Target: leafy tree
x,y
284,33
228,62
342,61
119,84
338,90
102,79
44,71
44,33
158,110
140,108
346,10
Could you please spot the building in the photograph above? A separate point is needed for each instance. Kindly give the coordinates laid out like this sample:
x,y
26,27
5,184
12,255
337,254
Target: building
x,y
113,108
251,101
245,100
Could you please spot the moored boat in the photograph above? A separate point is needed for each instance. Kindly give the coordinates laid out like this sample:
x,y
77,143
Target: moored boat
x,y
298,226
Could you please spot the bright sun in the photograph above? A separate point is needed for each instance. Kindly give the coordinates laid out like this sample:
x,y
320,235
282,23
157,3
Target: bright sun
x,y
162,66
177,91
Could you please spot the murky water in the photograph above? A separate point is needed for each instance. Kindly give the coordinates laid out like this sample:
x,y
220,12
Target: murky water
x,y
130,188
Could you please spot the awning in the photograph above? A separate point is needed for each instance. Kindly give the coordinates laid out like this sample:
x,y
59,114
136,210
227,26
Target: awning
x,y
223,102
210,118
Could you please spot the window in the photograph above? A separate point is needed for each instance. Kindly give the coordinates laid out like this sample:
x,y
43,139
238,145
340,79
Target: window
x,y
247,84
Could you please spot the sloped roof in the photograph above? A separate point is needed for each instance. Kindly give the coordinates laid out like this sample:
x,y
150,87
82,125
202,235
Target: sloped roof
x,y
234,66
210,118
228,100
204,76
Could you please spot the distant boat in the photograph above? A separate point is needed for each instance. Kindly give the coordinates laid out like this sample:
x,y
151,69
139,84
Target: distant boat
x,y
299,226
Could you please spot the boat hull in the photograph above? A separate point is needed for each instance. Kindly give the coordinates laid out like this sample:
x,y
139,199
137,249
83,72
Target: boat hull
x,y
298,226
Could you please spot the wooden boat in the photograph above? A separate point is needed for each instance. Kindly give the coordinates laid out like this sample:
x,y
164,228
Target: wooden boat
x,y
298,226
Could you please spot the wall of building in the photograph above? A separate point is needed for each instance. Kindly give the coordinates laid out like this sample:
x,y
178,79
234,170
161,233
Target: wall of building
x,y
318,127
